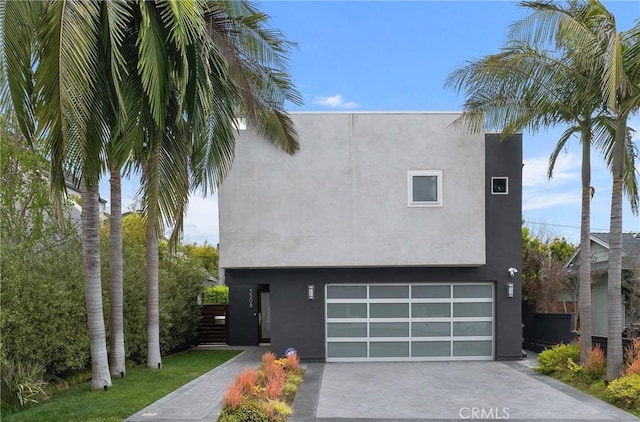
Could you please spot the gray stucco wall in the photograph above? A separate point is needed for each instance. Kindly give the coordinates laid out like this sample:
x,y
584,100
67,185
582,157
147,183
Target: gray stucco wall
x,y
298,322
342,200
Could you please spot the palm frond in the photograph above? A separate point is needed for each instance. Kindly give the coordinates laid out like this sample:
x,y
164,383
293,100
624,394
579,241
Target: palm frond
x,y
560,146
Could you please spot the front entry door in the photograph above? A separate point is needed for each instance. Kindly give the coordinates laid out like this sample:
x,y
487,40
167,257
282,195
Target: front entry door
x,y
264,317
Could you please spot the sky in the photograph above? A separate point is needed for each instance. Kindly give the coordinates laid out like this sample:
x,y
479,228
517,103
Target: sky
x,y
396,56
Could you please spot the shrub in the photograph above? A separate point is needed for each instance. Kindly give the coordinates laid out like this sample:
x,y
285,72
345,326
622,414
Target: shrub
x,y
596,364
289,391
216,295
22,384
292,362
632,352
233,397
294,378
268,358
249,411
248,380
625,391
277,410
632,369
275,384
556,360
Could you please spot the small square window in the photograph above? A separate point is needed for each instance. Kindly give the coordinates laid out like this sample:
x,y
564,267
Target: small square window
x,y
425,188
500,185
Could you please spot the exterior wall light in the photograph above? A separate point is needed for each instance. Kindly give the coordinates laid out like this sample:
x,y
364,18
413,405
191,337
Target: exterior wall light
x,y
510,290
311,290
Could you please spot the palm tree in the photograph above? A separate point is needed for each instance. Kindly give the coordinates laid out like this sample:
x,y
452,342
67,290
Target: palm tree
x,y
204,73
177,74
196,151
52,91
621,90
527,86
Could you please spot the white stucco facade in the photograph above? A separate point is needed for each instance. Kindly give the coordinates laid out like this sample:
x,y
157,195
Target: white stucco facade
x,y
342,200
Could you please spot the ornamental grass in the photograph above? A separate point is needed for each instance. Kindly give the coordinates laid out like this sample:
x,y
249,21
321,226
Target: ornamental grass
x,y
265,393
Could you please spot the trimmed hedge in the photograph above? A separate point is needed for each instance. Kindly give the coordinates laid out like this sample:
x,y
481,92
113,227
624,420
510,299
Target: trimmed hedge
x,y
43,316
216,295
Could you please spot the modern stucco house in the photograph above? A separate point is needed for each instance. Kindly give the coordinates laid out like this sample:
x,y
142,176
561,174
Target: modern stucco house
x,y
389,236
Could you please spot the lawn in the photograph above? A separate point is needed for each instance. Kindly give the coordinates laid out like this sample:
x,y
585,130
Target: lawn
x,y
140,388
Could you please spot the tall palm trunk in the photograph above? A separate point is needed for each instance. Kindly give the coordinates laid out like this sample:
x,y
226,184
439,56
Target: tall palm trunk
x,y
100,377
614,309
584,295
153,311
117,355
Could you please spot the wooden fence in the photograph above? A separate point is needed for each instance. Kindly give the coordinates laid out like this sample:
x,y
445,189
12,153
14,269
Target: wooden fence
x,y
214,324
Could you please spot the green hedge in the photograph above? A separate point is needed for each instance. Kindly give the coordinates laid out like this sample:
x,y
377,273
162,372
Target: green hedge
x,y
180,283
216,295
43,318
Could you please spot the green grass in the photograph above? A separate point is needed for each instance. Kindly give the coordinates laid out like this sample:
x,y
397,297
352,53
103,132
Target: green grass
x,y
140,388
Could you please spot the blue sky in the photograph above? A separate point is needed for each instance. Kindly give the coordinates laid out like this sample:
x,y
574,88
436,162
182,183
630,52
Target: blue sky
x,y
396,55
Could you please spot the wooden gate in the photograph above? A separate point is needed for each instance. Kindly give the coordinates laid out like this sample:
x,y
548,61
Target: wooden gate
x,y
214,324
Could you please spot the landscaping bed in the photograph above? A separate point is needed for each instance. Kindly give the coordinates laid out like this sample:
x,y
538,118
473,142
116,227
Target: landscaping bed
x,y
263,394
562,362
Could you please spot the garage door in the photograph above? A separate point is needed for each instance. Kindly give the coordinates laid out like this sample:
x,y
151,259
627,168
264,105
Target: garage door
x,y
376,322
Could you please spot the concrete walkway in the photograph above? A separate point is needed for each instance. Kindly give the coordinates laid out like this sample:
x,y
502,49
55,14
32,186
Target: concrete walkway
x,y
201,399
399,391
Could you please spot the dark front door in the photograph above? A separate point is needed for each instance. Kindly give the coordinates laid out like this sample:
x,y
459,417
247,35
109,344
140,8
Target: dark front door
x,y
264,316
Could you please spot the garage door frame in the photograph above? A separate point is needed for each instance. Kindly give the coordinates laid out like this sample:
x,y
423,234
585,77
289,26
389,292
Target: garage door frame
x,y
456,296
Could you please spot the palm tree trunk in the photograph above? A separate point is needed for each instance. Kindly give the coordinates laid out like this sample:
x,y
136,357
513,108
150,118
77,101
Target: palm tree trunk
x,y
117,355
153,311
100,377
584,294
614,279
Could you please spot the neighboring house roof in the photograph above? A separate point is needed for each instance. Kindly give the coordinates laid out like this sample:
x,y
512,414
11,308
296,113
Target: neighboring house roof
x,y
630,252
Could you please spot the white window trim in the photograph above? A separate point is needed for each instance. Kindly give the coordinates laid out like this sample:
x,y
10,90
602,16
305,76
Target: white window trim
x,y
506,192
410,201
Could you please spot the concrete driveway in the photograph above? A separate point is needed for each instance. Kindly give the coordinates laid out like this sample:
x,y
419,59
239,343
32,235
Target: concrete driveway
x,y
432,391
397,391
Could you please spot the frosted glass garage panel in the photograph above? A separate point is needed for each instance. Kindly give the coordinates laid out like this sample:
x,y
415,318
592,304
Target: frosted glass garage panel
x,y
391,349
472,348
346,310
430,329
429,292
473,309
430,310
388,292
346,329
346,292
347,350
473,291
430,349
389,329
472,328
389,310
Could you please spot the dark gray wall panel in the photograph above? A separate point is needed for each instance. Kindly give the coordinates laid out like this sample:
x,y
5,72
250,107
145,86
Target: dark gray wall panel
x,y
504,240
